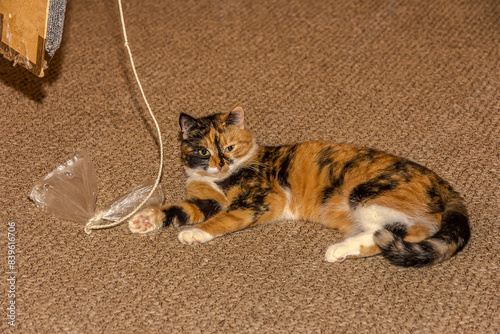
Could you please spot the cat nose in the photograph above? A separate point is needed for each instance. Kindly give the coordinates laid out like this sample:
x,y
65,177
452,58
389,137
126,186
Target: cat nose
x,y
221,163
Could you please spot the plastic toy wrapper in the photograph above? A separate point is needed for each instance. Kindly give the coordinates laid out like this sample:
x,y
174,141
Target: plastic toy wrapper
x,y
69,192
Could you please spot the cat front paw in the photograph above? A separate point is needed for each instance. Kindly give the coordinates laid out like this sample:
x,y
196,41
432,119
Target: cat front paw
x,y
194,236
146,221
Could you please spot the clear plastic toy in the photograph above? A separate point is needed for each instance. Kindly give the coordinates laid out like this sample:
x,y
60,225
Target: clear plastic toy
x,y
69,192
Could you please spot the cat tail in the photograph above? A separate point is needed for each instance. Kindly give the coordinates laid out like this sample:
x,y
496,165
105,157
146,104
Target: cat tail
x,y
452,236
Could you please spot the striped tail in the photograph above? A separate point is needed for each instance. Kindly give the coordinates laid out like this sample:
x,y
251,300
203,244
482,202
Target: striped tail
x,y
450,239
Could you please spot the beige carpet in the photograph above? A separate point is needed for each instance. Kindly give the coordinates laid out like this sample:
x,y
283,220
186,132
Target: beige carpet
x,y
415,78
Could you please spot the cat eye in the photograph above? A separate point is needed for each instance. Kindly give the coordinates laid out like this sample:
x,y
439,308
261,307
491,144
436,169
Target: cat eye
x,y
204,152
229,148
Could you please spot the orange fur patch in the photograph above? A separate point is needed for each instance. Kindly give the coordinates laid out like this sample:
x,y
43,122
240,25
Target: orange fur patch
x,y
417,233
369,251
194,213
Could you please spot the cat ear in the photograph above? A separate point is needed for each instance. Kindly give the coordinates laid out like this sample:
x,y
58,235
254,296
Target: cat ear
x,y
186,122
236,117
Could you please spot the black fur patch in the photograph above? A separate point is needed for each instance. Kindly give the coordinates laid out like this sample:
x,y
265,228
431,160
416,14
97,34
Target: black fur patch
x,y
175,216
195,159
398,229
405,169
208,207
337,179
325,158
284,167
220,152
335,185
270,155
454,229
436,202
253,200
236,178
372,189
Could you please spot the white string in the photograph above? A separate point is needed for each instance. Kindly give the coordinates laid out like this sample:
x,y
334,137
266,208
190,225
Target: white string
x,y
91,224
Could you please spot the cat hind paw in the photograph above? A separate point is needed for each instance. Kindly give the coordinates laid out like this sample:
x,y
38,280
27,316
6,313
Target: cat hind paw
x,y
339,252
146,221
194,236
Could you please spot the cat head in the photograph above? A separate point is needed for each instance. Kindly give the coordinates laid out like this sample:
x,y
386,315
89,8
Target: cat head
x,y
215,145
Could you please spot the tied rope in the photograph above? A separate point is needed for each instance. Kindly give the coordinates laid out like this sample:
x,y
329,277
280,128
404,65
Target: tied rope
x,y
92,224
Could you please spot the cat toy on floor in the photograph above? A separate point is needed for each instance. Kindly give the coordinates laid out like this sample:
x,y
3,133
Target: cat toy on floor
x,y
69,192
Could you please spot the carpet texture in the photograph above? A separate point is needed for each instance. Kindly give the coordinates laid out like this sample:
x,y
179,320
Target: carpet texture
x,y
418,79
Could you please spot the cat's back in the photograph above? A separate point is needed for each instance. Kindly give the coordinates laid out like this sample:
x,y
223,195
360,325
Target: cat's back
x,y
319,159
314,173
314,158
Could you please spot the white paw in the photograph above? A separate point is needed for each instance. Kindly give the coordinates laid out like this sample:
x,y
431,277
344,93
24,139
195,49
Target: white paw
x,y
194,236
146,221
339,252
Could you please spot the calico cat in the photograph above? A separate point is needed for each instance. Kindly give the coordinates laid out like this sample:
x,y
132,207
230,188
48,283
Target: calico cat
x,y
385,204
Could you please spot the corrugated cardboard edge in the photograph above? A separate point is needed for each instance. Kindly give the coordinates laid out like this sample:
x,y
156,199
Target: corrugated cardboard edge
x,y
10,53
